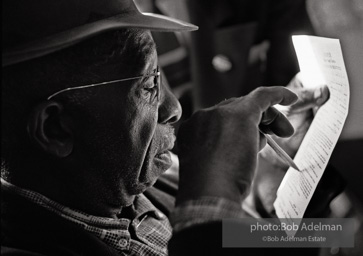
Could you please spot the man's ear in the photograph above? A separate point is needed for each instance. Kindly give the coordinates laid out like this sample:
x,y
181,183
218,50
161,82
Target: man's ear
x,y
49,128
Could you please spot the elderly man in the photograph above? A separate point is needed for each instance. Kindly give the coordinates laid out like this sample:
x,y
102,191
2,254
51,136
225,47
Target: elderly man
x,y
86,129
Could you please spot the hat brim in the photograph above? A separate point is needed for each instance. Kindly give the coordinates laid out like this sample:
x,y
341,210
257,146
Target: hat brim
x,y
149,21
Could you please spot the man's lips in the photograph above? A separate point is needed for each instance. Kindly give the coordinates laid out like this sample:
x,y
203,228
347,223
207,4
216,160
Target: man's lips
x,y
164,157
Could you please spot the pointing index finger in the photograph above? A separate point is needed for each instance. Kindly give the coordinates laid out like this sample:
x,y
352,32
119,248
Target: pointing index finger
x,y
265,97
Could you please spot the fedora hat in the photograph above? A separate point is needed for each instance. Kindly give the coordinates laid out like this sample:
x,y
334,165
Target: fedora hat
x,y
34,28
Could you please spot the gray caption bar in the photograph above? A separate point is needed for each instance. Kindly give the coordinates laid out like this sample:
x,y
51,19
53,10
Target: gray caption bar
x,y
272,232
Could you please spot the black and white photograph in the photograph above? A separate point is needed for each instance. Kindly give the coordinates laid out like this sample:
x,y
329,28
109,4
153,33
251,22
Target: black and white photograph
x,y
182,128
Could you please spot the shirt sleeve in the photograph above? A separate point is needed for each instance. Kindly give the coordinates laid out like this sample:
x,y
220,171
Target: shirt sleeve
x,y
204,210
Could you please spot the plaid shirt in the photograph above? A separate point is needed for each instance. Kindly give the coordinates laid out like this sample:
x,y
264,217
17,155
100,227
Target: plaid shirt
x,y
151,227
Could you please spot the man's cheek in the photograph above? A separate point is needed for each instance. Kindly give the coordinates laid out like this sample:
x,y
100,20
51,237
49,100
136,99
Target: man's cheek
x,y
146,124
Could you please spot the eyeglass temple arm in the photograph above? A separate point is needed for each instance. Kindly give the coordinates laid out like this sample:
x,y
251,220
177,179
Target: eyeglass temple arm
x,y
99,84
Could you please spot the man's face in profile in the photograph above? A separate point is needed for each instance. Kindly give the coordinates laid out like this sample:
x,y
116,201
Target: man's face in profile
x,y
125,136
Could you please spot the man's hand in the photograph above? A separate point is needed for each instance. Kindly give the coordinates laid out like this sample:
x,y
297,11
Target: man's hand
x,y
219,145
272,169
300,114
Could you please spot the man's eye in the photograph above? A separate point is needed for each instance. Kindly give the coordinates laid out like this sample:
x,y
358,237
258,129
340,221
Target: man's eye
x,y
152,89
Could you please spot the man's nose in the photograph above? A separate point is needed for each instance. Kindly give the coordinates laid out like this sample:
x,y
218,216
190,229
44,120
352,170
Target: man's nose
x,y
170,109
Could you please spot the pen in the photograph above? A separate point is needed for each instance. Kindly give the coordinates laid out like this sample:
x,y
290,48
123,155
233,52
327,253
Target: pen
x,y
280,152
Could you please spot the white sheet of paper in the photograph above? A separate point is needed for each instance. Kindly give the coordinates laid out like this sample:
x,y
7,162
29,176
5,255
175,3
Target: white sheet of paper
x,y
321,61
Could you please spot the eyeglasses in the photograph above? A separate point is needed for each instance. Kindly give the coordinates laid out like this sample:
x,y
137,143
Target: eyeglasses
x,y
155,73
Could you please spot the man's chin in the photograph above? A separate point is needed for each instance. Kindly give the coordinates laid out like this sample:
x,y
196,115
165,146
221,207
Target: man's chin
x,y
128,201
153,169
142,186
